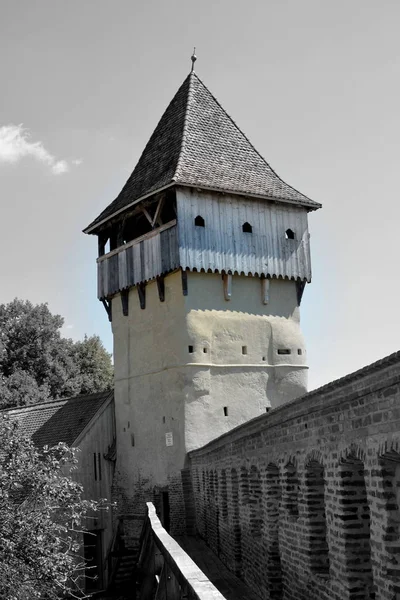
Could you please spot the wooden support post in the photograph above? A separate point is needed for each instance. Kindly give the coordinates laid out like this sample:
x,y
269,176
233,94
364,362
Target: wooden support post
x,y
264,290
125,302
107,305
156,219
184,282
102,241
227,283
141,288
161,288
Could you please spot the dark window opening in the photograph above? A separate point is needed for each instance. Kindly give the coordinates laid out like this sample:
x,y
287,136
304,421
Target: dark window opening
x,y
299,351
247,228
225,411
264,358
99,464
284,351
199,221
95,465
205,350
290,234
191,349
163,419
135,227
267,408
132,439
244,349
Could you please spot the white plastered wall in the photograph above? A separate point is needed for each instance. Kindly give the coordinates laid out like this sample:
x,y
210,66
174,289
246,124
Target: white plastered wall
x,y
162,388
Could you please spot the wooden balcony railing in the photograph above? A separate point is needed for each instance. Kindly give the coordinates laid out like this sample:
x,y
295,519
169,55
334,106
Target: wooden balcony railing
x,y
143,259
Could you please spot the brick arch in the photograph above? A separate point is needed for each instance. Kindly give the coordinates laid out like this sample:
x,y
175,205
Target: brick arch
x,y
314,455
224,495
216,513
353,451
389,494
291,487
244,484
255,493
388,446
236,525
355,524
292,459
272,498
316,533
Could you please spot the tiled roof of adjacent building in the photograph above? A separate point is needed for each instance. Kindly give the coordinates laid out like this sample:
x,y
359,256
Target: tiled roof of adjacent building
x,y
197,144
59,421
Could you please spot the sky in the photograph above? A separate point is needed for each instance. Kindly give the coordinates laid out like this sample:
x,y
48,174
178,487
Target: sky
x,y
315,86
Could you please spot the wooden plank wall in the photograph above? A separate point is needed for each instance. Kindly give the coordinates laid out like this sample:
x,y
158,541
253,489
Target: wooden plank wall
x,y
138,261
223,246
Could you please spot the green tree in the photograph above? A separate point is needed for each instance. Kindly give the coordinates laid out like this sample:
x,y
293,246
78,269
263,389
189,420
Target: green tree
x,y
42,515
38,364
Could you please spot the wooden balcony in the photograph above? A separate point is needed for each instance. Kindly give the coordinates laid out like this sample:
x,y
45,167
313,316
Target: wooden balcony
x,y
143,259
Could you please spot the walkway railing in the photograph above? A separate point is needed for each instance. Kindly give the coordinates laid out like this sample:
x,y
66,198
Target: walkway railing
x,y
168,573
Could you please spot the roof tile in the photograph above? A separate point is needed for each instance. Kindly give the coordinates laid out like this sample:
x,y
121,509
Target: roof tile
x,y
59,421
196,143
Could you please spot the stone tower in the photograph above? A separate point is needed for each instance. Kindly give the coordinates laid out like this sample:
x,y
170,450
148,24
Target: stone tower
x,y
203,258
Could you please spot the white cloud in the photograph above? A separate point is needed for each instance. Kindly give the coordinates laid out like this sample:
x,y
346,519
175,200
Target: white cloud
x,y
15,144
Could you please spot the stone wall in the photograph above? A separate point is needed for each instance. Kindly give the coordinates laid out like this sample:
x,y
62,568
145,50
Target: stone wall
x,y
303,502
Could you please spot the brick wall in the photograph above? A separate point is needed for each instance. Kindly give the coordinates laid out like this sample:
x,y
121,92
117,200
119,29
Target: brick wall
x,y
303,502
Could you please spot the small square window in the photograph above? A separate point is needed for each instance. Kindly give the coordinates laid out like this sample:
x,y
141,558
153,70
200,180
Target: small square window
x,y
191,349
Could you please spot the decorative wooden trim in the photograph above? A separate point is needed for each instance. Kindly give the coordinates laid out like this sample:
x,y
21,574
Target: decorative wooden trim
x,y
265,283
107,305
161,287
184,282
146,236
125,302
227,283
141,288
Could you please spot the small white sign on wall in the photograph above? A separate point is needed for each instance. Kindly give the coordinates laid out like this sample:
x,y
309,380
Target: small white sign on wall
x,y
169,439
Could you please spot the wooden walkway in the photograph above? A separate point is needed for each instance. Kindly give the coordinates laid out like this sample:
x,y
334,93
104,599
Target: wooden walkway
x,y
230,586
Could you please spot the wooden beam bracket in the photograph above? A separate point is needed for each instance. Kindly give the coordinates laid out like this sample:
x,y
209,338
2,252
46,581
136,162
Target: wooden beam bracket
x,y
227,283
184,282
300,285
161,288
125,302
265,283
107,305
141,288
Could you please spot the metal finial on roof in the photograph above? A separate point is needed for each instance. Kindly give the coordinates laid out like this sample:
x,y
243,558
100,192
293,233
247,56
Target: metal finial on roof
x,y
193,59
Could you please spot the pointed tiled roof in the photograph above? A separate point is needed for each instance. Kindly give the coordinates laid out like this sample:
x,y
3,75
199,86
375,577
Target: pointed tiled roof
x,y
196,143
